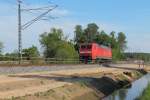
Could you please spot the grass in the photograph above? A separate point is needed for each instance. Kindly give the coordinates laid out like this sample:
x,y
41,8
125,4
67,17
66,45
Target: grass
x,y
145,95
63,98
138,74
122,77
83,84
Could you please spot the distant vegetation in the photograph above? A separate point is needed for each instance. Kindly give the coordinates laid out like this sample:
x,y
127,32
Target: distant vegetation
x,y
137,56
56,45
30,52
1,47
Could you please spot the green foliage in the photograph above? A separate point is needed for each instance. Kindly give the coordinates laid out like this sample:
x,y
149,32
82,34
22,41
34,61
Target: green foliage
x,y
50,41
91,34
56,46
114,42
13,54
1,47
79,37
117,55
122,40
86,35
138,56
10,56
103,39
66,51
30,52
91,31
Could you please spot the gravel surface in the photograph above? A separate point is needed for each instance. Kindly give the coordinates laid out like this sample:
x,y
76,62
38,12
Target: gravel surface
x,y
15,70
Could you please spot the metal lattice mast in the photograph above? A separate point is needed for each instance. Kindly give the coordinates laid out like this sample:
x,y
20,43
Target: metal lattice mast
x,y
19,32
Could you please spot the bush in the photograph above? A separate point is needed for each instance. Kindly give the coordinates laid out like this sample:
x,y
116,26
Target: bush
x,y
66,51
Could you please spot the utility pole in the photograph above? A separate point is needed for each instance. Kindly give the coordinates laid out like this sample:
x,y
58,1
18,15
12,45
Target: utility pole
x,y
21,27
19,32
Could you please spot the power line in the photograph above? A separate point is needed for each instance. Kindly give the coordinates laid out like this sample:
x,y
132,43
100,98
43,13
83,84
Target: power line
x,y
37,18
21,27
41,8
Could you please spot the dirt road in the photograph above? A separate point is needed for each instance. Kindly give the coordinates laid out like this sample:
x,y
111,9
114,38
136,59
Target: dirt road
x,y
21,84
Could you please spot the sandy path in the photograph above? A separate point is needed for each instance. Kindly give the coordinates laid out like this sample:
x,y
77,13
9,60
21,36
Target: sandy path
x,y
31,90
6,79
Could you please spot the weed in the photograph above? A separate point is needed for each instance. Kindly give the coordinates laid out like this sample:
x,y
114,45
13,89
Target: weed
x,y
13,98
42,82
83,84
63,98
37,94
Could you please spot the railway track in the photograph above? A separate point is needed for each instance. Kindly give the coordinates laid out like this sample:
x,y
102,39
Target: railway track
x,y
30,69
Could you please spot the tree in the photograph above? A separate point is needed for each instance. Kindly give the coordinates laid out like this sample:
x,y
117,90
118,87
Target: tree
x,y
66,50
113,40
50,41
86,35
112,34
30,52
1,47
78,34
13,54
116,53
103,39
92,28
55,46
91,31
122,41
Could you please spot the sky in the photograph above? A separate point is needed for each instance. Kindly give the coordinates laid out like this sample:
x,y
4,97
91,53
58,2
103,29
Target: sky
x,y
129,16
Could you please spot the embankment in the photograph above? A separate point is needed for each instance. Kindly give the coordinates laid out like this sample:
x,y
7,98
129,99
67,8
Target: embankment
x,y
87,87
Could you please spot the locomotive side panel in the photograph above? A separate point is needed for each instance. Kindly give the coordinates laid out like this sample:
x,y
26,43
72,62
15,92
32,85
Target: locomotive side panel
x,y
93,51
102,52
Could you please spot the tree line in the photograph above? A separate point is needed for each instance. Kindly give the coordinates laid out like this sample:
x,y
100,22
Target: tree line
x,y
137,56
56,45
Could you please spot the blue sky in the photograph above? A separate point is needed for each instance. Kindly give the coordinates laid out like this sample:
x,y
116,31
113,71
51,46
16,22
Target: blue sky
x,y
129,16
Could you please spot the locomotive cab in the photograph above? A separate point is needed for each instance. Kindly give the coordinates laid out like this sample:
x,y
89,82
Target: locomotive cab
x,y
85,52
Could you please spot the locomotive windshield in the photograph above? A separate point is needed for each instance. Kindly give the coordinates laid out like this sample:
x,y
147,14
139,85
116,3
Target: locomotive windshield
x,y
83,47
86,46
89,46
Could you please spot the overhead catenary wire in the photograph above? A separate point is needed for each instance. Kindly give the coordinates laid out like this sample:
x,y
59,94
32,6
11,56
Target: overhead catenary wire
x,y
21,27
37,18
31,9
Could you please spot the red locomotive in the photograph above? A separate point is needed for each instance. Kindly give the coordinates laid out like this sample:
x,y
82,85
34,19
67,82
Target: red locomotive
x,y
94,52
